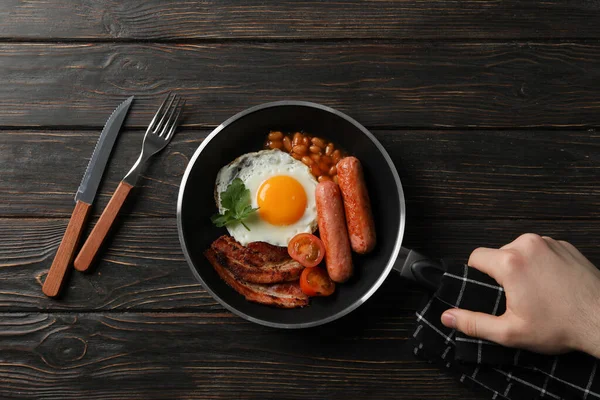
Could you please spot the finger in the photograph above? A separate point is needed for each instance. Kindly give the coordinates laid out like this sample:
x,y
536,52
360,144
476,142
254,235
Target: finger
x,y
566,249
489,261
511,244
526,243
570,248
554,245
575,253
476,324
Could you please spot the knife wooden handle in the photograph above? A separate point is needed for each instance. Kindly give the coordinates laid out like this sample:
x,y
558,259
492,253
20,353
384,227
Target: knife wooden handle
x,y
94,241
66,250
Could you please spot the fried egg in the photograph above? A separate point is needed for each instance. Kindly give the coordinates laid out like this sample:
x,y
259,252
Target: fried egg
x,y
283,190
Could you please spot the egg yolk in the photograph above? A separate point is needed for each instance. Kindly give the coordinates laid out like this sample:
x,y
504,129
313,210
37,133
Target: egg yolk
x,y
281,200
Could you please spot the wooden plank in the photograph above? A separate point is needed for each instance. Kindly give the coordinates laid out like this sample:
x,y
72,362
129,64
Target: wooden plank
x,y
184,20
209,356
143,267
387,84
446,174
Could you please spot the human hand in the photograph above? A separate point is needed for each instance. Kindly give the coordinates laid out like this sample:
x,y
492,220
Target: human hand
x,y
552,297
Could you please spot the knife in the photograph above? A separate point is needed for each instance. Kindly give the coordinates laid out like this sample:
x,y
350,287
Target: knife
x,y
83,200
419,268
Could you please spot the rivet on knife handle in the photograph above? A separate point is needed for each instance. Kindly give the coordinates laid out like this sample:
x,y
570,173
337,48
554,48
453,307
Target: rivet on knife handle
x,y
94,241
66,250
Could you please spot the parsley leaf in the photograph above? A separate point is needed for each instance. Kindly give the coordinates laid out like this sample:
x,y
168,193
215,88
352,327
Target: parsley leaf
x,y
234,191
236,202
221,220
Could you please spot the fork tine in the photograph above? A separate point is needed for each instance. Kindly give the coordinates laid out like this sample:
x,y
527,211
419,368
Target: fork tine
x,y
159,126
175,122
170,112
151,126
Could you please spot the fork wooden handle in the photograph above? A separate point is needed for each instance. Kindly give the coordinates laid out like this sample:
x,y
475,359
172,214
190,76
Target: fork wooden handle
x,y
66,250
94,241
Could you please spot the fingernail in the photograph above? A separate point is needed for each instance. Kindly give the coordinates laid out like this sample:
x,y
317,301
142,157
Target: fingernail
x,y
449,319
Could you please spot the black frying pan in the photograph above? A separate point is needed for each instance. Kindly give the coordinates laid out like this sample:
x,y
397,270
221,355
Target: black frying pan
x,y
245,132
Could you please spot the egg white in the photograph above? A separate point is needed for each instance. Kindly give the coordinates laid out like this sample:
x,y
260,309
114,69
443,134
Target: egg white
x,y
253,169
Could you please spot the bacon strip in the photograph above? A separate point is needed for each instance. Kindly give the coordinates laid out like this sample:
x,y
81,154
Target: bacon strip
x,y
271,253
258,262
284,295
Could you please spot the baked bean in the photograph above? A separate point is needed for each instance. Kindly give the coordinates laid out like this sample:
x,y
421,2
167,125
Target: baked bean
x,y
318,142
329,149
276,135
307,160
317,153
323,167
315,170
275,144
335,179
297,139
336,156
300,149
287,144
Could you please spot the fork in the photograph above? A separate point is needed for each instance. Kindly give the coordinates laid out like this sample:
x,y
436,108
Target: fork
x,y
158,135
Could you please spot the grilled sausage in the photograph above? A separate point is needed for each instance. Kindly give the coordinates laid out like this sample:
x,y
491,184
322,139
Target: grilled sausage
x,y
361,227
333,232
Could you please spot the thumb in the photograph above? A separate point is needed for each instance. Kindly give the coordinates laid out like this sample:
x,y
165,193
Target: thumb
x,y
475,324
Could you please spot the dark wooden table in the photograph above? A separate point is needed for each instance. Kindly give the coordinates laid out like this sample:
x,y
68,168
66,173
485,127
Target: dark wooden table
x,y
489,110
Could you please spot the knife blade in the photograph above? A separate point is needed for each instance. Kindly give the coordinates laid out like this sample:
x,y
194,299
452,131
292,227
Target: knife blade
x,y
93,173
84,198
419,268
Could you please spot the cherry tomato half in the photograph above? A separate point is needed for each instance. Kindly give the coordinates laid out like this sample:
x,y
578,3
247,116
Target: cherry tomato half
x,y
316,282
307,249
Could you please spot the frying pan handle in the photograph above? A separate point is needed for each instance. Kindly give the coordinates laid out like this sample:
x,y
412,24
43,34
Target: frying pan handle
x,y
428,273
424,270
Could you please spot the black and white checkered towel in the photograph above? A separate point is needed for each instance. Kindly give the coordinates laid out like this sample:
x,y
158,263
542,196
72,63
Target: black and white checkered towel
x,y
504,372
